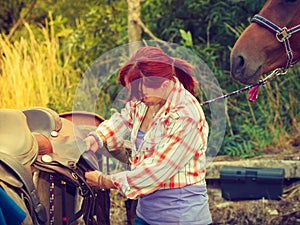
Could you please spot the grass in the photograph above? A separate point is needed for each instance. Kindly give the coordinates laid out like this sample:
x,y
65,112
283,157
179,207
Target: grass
x,y
33,72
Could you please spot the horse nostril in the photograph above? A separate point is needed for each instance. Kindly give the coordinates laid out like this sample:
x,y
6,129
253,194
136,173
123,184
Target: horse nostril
x,y
241,62
238,66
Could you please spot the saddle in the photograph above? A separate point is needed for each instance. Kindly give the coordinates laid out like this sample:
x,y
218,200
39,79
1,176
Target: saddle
x,y
18,151
13,123
53,146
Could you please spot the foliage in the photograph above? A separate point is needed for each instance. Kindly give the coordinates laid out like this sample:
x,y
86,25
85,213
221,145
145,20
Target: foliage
x,y
82,32
62,39
204,19
10,12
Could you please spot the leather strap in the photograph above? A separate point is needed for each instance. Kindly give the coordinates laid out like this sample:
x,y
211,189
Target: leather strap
x,y
75,175
21,172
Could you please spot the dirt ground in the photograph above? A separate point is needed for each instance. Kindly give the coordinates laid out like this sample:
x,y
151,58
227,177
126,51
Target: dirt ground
x,y
285,211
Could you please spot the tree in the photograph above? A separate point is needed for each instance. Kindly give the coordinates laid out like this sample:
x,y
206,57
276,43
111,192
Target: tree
x,y
134,28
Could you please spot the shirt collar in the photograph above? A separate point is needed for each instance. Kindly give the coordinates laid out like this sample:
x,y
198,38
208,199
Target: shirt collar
x,y
174,97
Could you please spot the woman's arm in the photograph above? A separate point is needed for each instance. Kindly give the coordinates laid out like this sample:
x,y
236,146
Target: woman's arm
x,y
110,133
114,130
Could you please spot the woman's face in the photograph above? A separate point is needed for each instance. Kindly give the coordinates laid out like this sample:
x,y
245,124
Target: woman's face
x,y
152,95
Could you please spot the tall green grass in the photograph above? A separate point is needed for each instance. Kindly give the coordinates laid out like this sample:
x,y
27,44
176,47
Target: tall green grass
x,y
271,123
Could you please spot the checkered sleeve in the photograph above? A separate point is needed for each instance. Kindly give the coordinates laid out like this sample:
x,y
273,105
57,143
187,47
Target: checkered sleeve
x,y
117,127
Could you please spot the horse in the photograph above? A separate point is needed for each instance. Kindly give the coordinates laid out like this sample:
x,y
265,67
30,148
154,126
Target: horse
x,y
41,156
270,42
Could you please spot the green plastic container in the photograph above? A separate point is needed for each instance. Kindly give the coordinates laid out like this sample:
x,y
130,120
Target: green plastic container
x,y
241,183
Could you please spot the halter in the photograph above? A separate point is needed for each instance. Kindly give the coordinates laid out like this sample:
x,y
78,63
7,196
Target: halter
x,y
281,34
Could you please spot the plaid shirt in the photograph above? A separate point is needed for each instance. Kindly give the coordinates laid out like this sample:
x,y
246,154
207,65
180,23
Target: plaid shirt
x,y
172,153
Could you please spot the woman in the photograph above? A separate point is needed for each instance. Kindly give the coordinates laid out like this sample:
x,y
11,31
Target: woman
x,y
168,132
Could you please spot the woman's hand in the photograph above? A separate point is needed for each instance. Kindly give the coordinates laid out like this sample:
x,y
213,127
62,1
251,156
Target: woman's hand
x,y
91,143
94,141
93,178
98,180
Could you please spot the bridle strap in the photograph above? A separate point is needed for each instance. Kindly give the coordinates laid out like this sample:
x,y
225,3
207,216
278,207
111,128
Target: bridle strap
x,y
282,35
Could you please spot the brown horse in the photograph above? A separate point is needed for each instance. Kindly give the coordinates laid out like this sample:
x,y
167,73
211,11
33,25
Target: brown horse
x,y
271,41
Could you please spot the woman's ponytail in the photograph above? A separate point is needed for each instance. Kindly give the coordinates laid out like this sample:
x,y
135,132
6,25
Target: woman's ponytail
x,y
183,71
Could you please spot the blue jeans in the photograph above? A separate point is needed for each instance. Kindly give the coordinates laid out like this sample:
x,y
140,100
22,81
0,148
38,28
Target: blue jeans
x,y
140,221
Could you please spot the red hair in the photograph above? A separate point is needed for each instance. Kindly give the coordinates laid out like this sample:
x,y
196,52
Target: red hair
x,y
152,62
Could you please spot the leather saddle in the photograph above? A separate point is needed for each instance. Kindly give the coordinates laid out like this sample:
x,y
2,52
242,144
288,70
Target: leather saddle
x,y
59,139
53,144
18,150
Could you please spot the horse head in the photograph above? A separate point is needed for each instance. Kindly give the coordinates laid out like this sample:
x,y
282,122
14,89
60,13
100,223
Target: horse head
x,y
271,41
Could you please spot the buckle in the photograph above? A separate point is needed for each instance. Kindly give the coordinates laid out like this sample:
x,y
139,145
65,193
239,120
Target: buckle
x,y
283,35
